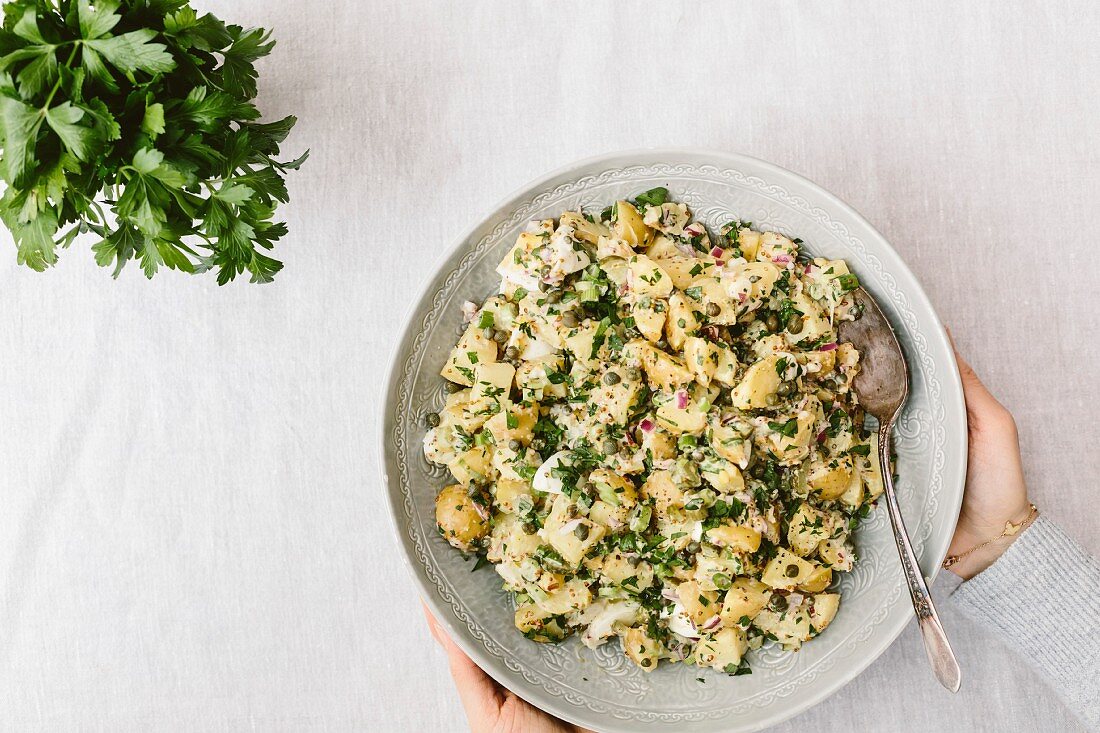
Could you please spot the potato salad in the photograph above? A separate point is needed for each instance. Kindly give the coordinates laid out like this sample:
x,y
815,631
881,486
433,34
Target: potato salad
x,y
653,437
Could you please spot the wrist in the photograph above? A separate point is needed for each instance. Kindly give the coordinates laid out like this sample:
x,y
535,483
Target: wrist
x,y
975,549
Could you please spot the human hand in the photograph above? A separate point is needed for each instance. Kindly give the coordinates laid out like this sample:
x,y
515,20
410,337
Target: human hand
x,y
995,489
489,707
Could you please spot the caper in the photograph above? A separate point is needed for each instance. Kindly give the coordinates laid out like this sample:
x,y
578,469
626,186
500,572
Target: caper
x,y
514,445
432,419
573,511
785,389
581,531
772,322
544,286
570,320
529,528
757,470
771,399
634,560
554,296
697,455
662,344
692,547
779,603
452,387
500,337
794,323
713,309
611,378
722,581
610,447
792,571
487,332
634,373
647,662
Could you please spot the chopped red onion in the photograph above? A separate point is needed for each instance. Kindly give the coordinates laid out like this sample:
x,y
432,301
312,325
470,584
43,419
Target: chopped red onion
x,y
717,253
829,347
681,399
712,623
781,259
646,425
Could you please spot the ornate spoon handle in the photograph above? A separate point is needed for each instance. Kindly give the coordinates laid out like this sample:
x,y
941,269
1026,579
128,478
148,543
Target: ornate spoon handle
x,y
940,655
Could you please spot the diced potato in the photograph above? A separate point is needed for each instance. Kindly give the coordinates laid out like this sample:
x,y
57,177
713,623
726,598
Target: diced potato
x,y
609,247
787,570
663,491
683,269
538,624
507,494
628,225
806,530
830,479
649,317
709,291
648,278
613,488
735,537
688,420
701,357
612,517
559,531
760,382
728,443
515,422
662,247
775,247
725,477
825,606
836,553
619,567
790,628
668,218
699,605
472,349
725,371
474,465
641,649
659,442
585,230
749,243
508,542
573,596
853,495
814,322
663,370
871,471
745,598
682,320
459,521
722,651
580,341
614,401
818,581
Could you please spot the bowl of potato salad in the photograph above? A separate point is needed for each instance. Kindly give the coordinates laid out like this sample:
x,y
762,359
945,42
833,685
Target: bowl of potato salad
x,y
624,456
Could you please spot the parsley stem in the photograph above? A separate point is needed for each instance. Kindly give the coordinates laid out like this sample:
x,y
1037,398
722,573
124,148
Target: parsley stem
x,y
57,84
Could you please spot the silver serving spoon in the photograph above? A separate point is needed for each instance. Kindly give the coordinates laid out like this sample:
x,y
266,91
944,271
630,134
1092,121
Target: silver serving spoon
x,y
882,386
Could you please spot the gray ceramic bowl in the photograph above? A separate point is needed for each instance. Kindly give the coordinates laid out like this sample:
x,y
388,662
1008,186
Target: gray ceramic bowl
x,y
599,688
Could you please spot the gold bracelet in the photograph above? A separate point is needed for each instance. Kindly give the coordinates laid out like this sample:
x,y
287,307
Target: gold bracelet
x,y
1011,530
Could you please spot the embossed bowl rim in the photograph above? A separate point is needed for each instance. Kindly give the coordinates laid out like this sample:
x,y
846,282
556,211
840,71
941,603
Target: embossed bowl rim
x,y
935,549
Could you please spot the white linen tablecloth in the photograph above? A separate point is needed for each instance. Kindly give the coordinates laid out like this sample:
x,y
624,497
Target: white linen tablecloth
x,y
192,531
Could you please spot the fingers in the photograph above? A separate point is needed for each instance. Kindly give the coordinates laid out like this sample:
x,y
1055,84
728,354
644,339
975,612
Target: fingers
x,y
476,690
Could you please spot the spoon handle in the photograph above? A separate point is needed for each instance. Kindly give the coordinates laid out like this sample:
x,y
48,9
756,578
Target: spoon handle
x,y
936,645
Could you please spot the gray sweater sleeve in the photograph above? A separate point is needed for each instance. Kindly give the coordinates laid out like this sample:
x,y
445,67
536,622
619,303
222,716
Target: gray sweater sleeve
x,y
1042,597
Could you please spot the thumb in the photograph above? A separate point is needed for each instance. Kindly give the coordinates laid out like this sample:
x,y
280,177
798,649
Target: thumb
x,y
981,405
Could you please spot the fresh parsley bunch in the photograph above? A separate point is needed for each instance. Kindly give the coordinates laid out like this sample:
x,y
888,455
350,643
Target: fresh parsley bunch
x,y
134,120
